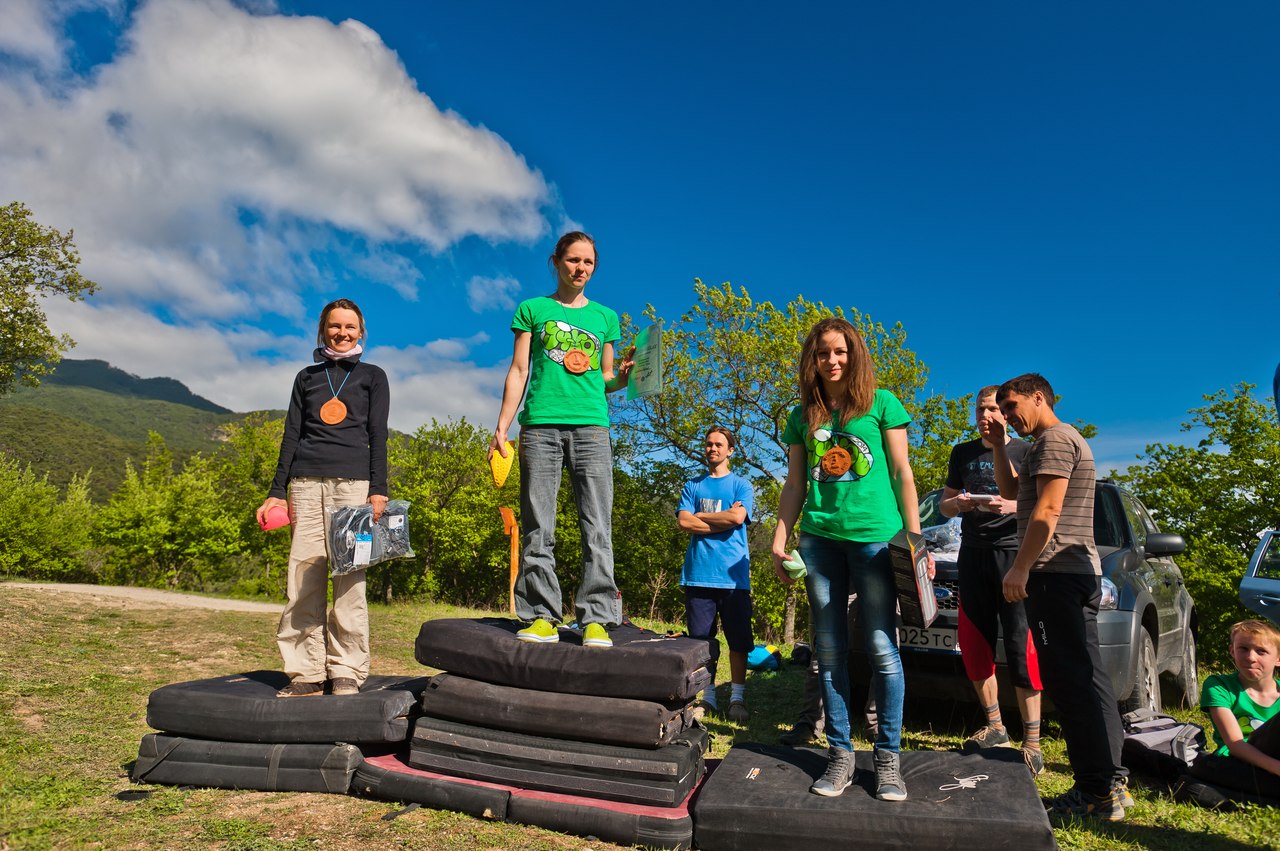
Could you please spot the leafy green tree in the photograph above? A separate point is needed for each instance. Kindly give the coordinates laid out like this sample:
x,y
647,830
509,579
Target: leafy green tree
x,y
43,534
454,524
1218,495
731,361
245,467
167,528
35,262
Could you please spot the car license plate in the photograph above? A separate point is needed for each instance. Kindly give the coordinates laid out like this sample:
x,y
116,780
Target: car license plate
x,y
937,639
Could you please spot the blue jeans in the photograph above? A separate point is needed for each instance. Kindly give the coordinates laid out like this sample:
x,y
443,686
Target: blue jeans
x,y
833,566
587,454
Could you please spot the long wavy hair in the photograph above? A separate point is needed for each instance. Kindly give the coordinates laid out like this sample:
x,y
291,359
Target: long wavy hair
x,y
859,387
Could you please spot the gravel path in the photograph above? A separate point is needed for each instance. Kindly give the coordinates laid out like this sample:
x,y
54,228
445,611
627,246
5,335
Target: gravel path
x,y
149,596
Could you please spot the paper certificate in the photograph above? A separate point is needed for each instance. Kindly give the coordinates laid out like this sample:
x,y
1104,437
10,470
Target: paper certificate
x,y
646,375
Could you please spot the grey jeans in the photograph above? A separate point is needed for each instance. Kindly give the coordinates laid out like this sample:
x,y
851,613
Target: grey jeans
x,y
586,453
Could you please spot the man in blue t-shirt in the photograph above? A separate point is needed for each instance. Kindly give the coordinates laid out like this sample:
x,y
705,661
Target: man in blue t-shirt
x,y
715,509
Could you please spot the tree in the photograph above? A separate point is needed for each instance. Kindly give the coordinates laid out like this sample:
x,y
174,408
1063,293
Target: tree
x,y
1218,495
35,262
732,361
43,535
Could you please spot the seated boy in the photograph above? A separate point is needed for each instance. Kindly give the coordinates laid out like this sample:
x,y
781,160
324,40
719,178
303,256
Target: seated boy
x,y
1240,705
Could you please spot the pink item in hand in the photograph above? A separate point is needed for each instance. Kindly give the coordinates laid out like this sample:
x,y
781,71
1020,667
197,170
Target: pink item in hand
x,y
276,517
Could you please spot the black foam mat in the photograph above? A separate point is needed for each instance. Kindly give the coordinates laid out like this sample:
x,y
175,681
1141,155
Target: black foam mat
x,y
390,777
655,777
641,665
587,718
759,798
244,708
180,761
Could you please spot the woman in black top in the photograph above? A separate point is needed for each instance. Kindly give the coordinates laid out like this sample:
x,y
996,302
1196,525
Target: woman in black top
x,y
333,453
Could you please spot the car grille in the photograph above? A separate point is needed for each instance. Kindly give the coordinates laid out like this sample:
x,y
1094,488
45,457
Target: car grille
x,y
950,599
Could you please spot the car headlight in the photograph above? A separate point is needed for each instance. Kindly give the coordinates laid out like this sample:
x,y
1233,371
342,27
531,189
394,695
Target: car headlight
x,y
1110,595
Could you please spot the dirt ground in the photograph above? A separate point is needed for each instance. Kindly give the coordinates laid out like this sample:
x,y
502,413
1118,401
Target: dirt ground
x,y
149,597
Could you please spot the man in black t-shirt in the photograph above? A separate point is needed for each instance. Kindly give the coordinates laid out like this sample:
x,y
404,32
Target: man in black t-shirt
x,y
989,543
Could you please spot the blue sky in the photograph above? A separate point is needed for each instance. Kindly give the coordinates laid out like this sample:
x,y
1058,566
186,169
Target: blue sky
x,y
1086,190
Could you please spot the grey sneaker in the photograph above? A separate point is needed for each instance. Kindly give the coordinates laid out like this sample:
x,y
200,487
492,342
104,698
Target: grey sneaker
x,y
1034,760
344,686
889,784
1120,791
738,713
838,776
986,737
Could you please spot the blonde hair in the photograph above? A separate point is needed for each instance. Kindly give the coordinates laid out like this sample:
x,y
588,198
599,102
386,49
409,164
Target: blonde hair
x,y
859,389
1258,629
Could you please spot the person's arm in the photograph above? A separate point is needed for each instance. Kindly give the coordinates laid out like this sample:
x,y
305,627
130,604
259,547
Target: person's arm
x,y
1051,491
616,381
790,501
512,391
691,523
993,431
1229,729
954,502
720,521
904,482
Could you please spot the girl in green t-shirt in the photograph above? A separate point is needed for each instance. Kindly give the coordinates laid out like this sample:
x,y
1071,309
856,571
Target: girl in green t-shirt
x,y
564,353
847,467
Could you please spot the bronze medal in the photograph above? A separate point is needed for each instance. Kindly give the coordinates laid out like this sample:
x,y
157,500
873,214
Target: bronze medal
x,y
334,412
836,462
577,361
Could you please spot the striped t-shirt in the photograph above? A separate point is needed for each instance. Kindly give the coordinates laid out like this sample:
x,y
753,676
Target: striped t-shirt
x,y
1061,452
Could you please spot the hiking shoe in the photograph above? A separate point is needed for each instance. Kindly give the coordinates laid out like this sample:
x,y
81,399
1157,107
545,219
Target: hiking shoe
x,y
541,630
838,776
1076,803
797,736
300,689
1120,791
595,635
738,713
986,737
1034,759
344,685
889,784
702,709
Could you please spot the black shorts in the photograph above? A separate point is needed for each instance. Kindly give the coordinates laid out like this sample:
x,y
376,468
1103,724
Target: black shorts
x,y
983,610
732,605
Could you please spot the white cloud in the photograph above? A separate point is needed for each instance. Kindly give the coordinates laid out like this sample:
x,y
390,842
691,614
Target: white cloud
x,y
492,293
31,29
220,153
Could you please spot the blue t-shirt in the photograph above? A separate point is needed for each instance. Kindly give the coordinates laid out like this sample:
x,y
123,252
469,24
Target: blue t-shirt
x,y
717,559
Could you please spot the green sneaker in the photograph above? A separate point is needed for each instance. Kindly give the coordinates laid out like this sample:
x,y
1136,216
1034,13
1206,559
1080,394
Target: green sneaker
x,y
594,635
541,630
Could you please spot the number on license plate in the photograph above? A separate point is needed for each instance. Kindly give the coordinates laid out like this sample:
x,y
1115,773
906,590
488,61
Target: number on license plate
x,y
928,639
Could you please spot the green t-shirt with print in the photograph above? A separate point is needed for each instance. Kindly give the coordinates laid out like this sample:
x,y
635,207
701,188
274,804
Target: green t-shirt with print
x,y
1227,690
857,504
557,396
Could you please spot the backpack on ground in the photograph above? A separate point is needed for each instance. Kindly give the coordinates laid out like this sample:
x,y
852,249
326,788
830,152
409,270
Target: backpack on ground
x,y
1160,746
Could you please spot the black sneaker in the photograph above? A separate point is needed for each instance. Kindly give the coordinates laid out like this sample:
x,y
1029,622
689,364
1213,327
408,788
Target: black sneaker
x,y
889,783
1076,803
798,736
986,737
838,776
298,689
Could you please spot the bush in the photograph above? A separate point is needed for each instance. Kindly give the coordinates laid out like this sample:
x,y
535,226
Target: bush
x,y
43,534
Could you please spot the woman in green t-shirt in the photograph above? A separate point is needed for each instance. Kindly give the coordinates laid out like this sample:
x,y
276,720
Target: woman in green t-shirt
x,y
564,352
847,467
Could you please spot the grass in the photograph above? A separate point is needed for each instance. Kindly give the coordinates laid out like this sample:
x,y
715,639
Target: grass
x,y
73,695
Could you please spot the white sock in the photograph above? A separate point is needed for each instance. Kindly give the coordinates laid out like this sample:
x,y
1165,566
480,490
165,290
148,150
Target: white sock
x,y
709,696
736,691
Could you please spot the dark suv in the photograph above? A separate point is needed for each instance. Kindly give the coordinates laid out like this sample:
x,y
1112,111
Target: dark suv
x,y
1147,624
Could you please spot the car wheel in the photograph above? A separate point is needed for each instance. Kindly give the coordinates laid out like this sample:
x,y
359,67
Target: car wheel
x,y
1183,691
1146,680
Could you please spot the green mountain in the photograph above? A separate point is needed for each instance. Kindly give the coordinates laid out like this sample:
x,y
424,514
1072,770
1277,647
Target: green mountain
x,y
90,416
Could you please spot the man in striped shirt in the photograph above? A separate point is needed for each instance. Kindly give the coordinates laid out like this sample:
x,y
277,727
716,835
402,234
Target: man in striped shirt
x,y
1058,573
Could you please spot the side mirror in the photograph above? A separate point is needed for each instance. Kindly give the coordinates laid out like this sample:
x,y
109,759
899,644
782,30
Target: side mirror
x,y
1164,544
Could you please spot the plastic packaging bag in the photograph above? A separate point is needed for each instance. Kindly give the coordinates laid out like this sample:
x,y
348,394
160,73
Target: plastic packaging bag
x,y
356,542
